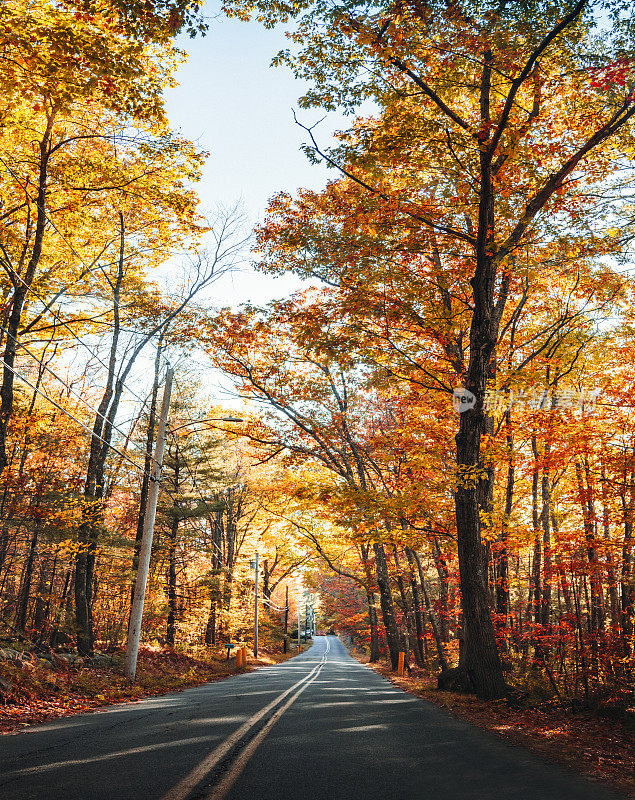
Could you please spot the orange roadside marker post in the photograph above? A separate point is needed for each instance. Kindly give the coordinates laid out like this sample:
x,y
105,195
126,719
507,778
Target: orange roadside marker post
x,y
244,652
239,658
400,665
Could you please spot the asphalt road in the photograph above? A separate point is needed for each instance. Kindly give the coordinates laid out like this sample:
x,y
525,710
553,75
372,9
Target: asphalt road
x,y
319,727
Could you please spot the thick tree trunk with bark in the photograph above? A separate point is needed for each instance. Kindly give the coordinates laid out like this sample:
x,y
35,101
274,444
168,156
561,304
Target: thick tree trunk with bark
x,y
482,660
386,602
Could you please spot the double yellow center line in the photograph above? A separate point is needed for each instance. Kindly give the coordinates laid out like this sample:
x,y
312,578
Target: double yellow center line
x,y
193,778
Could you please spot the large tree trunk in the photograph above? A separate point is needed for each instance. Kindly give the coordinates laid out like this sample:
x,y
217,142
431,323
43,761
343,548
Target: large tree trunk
x,y
475,477
387,605
482,660
94,483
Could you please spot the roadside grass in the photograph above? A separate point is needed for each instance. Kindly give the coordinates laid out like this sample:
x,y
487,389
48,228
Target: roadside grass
x,y
31,692
599,748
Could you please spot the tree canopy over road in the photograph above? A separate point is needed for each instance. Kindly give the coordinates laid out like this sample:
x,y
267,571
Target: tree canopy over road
x,y
434,437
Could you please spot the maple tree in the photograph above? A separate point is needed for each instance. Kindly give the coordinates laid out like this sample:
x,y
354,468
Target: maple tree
x,y
491,149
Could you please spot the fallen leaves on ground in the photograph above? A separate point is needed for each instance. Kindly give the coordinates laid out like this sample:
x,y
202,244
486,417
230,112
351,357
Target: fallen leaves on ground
x,y
37,694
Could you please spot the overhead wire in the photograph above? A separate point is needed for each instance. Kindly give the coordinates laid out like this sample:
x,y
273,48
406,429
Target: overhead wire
x,y
78,338
91,270
48,309
74,418
74,393
112,447
41,299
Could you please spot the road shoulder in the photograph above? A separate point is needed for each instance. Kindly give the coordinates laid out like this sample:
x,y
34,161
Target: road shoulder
x,y
599,749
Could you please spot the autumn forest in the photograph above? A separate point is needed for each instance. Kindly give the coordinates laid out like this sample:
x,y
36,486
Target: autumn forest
x,y
431,443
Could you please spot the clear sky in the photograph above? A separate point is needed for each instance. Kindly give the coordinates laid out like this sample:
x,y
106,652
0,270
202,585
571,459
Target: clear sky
x,y
234,105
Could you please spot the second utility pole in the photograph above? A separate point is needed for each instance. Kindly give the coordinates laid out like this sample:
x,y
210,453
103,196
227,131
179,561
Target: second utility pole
x,y
286,622
256,611
136,614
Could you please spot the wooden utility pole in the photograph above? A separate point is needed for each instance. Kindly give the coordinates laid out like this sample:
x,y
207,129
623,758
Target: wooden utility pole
x,y
256,611
136,614
286,621
299,607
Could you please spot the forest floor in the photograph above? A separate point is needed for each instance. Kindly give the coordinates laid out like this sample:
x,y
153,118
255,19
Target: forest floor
x,y
32,693
589,744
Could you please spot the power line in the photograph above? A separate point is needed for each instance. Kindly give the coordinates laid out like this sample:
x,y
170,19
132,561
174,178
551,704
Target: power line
x,y
85,427
74,393
83,262
115,449
108,444
91,270
68,414
75,336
